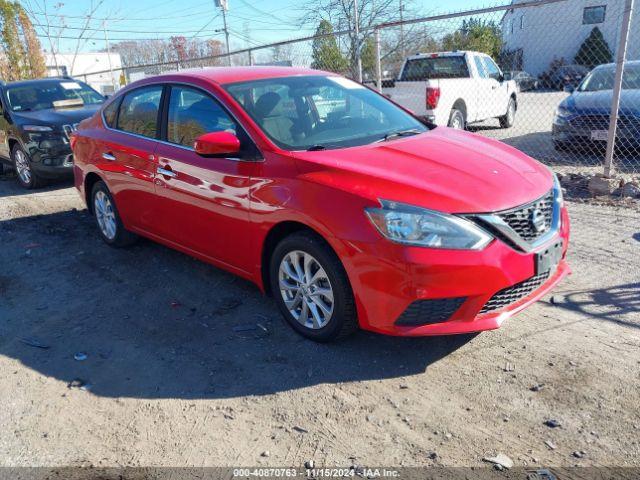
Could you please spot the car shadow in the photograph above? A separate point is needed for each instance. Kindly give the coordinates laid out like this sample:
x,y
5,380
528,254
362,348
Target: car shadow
x,y
154,323
619,304
11,187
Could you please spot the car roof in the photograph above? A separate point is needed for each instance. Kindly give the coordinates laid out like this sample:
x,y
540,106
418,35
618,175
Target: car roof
x,y
224,75
628,63
35,81
454,53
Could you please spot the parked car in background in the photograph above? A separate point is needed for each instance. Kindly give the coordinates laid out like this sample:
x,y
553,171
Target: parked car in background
x,y
455,89
582,119
523,80
352,215
566,76
36,119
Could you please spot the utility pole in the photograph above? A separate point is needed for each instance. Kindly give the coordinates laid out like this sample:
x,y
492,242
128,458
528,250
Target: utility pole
x,y
108,47
224,6
356,19
617,87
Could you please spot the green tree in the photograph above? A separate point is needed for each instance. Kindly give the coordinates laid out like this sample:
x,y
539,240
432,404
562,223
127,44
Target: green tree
x,y
477,35
368,58
594,50
326,54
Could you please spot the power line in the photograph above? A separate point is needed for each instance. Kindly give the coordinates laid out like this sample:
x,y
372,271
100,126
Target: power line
x,y
119,31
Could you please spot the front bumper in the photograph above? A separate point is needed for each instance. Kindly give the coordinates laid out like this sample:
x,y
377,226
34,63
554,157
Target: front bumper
x,y
388,278
50,153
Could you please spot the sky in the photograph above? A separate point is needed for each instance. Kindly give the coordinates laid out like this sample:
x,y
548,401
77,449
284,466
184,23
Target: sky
x,y
250,22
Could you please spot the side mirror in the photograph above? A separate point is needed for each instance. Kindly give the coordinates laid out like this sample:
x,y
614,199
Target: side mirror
x,y
217,143
569,88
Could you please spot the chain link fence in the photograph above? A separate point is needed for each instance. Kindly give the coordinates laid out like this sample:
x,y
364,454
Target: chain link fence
x,y
542,76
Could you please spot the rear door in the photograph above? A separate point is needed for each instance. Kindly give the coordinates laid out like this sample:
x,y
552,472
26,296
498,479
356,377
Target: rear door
x,y
126,153
203,202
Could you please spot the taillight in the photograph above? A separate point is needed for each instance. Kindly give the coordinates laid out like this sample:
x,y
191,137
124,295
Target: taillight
x,y
433,97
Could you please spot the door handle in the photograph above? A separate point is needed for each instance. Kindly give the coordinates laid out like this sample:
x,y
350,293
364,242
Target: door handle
x,y
166,172
109,156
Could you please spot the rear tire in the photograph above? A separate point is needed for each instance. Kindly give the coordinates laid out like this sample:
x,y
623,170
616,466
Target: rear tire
x,y
27,178
307,274
107,218
509,118
457,120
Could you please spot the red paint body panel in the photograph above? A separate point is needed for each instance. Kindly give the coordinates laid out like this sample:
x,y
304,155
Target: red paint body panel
x,y
221,210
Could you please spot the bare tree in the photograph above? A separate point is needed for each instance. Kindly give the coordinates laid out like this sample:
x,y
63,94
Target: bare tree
x,y
55,27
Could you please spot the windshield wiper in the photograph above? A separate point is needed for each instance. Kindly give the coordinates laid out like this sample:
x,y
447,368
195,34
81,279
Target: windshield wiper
x,y
313,148
400,133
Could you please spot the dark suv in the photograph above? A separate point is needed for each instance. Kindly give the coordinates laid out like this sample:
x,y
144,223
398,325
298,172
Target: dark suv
x,y
36,119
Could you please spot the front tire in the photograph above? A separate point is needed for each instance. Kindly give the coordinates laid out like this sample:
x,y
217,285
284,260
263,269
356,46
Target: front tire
x,y
27,178
509,118
457,120
107,218
311,288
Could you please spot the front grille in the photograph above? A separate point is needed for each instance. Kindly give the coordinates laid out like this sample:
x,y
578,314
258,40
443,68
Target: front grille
x,y
69,129
510,295
521,219
424,312
628,125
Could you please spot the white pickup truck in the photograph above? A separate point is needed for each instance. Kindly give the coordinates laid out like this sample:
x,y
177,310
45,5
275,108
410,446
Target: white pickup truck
x,y
454,89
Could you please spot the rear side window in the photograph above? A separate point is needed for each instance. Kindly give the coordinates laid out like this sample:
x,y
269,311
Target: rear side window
x,y
435,67
110,113
139,111
193,113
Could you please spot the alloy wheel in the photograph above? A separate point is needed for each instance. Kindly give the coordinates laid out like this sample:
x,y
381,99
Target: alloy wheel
x,y
306,289
511,112
23,167
105,215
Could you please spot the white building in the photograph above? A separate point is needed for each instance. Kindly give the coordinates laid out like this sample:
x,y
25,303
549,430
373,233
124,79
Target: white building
x,y
83,65
534,36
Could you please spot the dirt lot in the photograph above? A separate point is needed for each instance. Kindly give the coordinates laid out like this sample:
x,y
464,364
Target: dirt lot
x,y
188,365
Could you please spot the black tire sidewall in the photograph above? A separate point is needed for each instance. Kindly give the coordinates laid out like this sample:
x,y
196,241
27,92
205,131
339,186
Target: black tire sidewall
x,y
342,294
118,239
34,182
454,113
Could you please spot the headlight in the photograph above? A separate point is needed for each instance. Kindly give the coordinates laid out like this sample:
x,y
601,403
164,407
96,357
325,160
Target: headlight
x,y
412,225
563,113
557,189
37,128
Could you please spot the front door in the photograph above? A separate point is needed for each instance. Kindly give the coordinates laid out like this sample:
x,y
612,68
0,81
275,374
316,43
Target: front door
x,y
498,89
203,202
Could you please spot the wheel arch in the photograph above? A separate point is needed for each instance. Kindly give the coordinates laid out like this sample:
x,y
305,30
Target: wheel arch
x,y
89,181
274,236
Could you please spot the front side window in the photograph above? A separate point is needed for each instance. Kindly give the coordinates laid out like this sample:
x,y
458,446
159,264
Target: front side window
x,y
482,73
193,113
299,113
51,94
139,111
591,15
492,69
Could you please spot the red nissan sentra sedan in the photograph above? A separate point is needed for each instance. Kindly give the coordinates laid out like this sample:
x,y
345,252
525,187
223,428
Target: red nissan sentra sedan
x,y
344,206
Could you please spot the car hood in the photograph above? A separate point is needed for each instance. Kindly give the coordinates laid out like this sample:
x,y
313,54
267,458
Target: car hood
x,y
56,116
600,101
443,169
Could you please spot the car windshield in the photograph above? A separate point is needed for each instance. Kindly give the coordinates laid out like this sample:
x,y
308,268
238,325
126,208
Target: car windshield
x,y
51,94
318,112
602,79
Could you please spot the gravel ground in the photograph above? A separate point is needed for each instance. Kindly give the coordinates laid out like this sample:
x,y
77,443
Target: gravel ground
x,y
189,366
